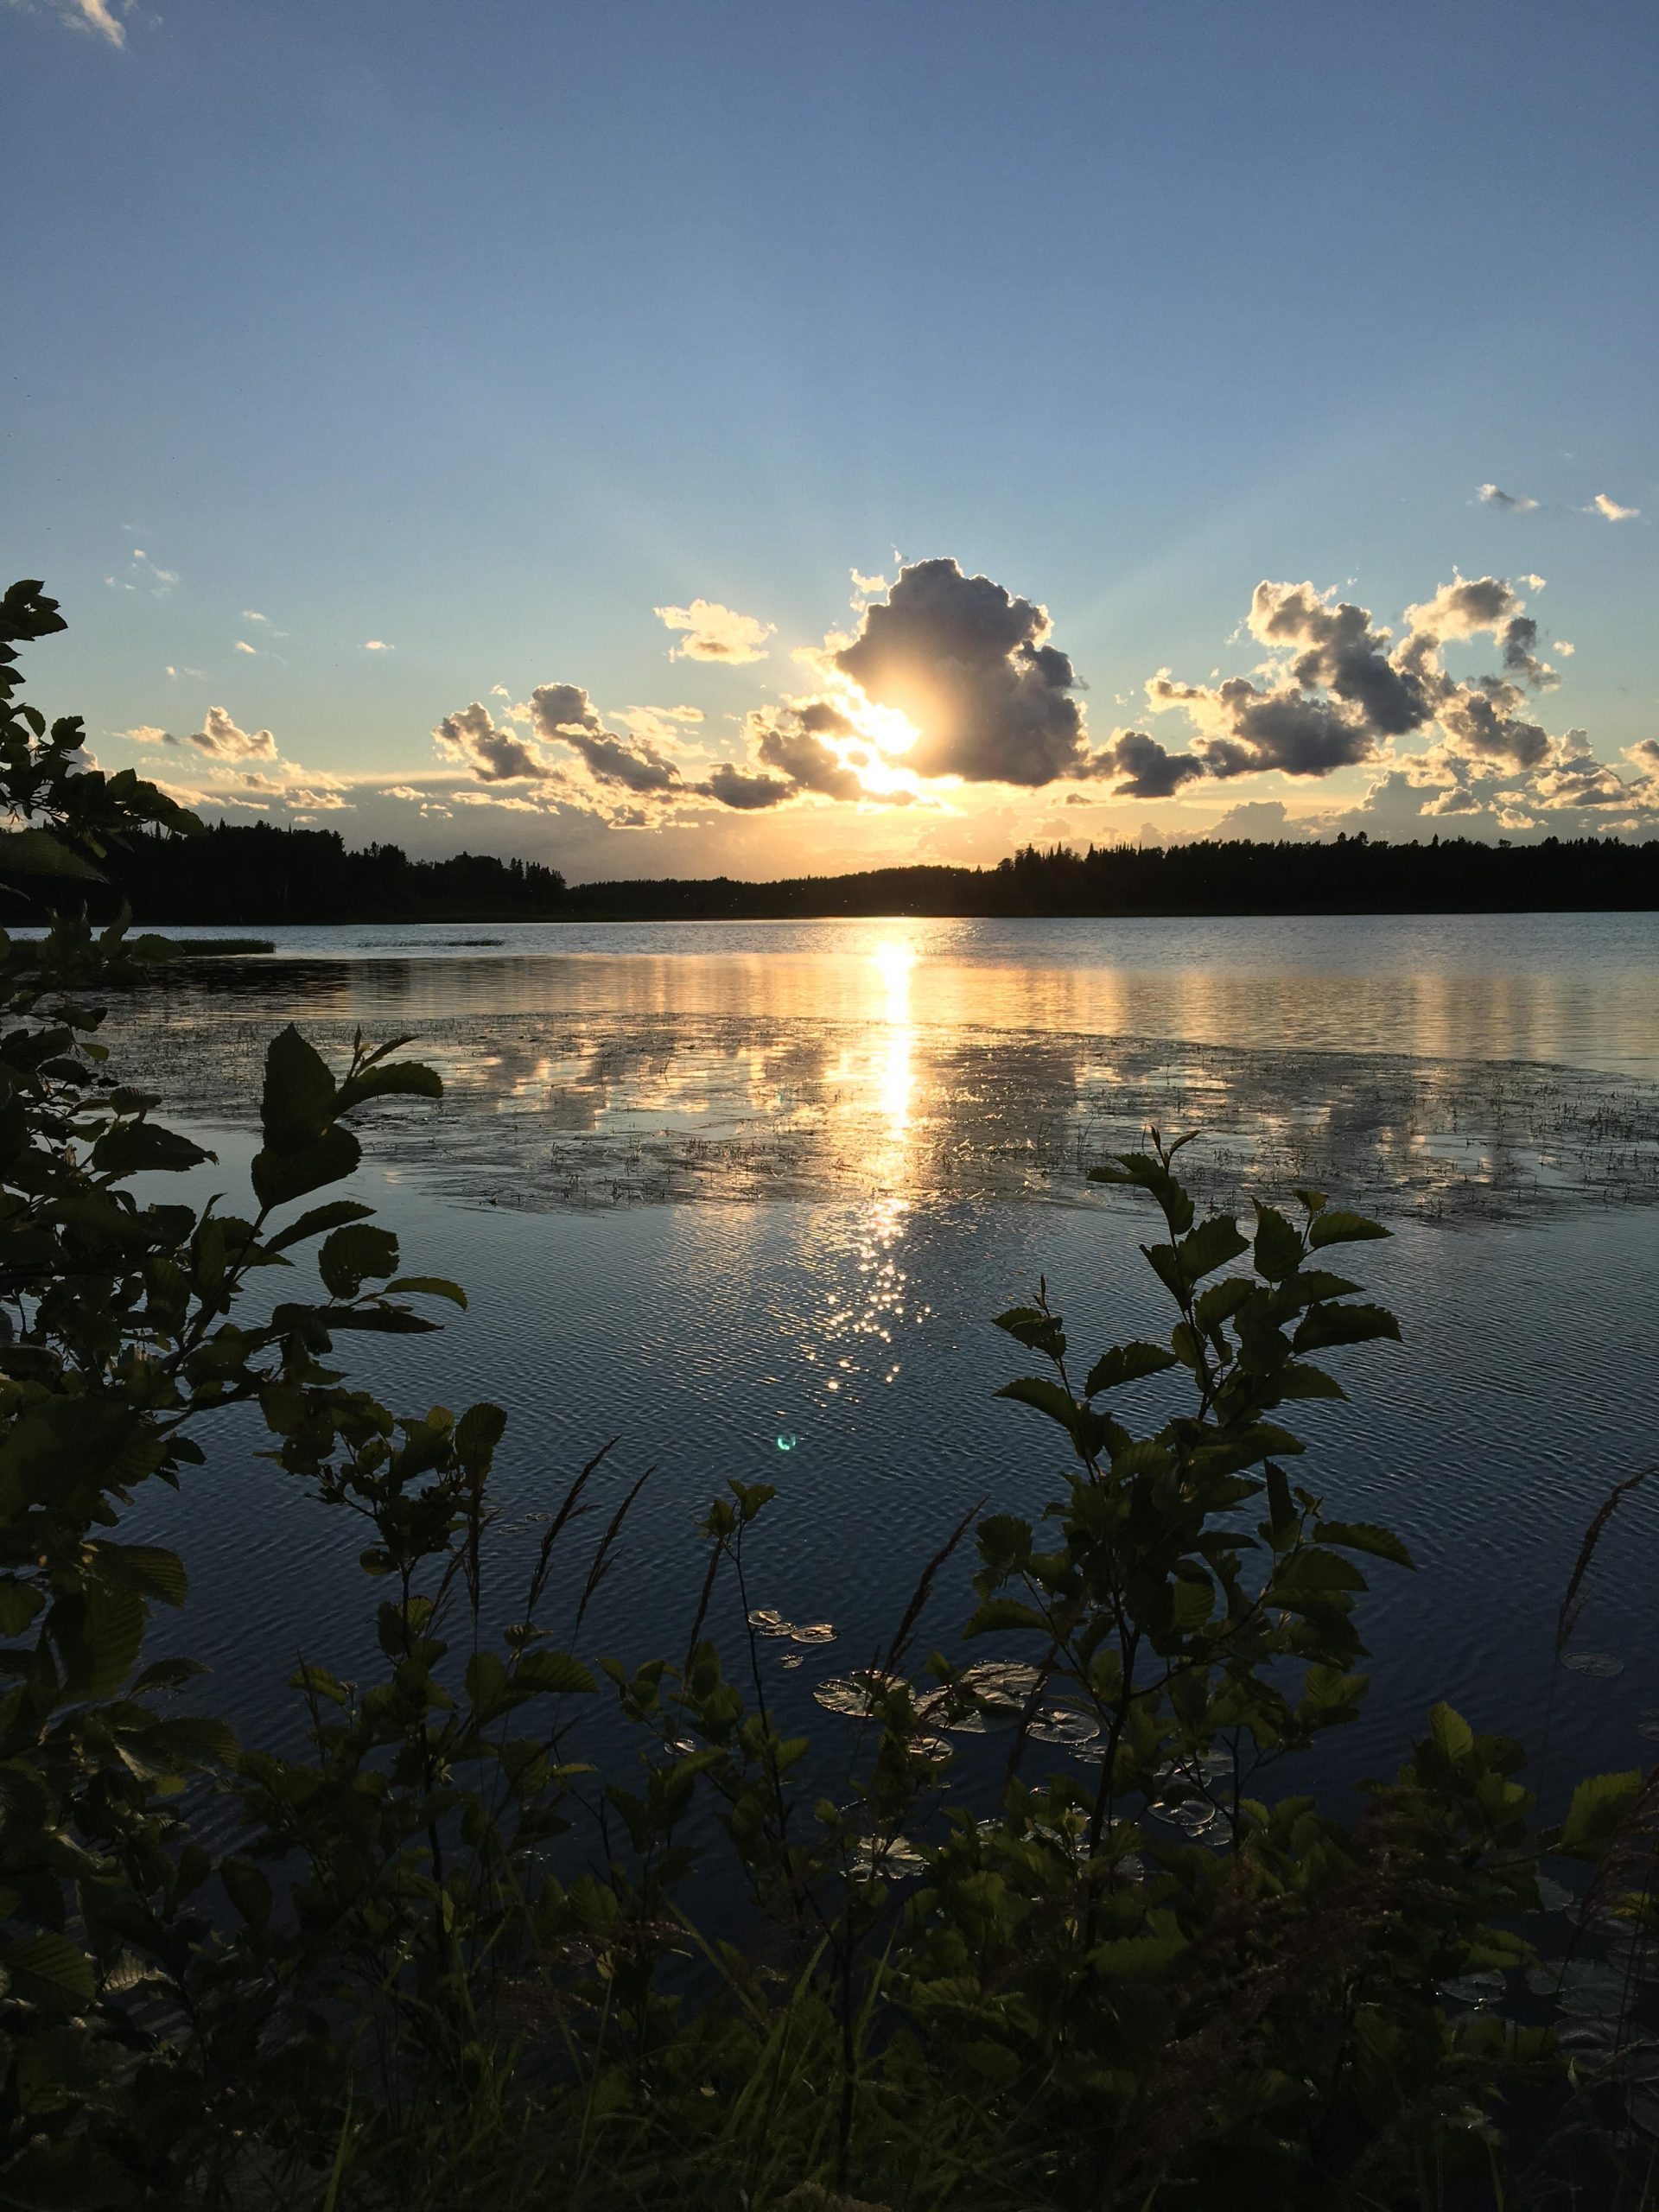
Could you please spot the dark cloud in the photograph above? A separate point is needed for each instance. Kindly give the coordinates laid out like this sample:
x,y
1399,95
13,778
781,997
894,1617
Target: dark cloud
x,y
1338,651
495,756
792,741
1286,730
1144,769
1521,656
735,787
972,668
559,707
1480,724
637,764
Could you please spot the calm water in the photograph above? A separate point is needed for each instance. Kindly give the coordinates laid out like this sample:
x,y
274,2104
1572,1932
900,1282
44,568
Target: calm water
x,y
745,1196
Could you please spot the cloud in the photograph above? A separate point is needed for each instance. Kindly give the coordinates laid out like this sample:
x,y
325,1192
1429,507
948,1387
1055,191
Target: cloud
x,y
560,708
1249,729
377,645
1644,755
1339,649
252,614
1264,820
97,17
1610,510
1509,500
144,575
637,765
735,787
175,673
662,725
404,792
1144,769
220,737
792,740
146,733
971,667
716,633
243,646
495,756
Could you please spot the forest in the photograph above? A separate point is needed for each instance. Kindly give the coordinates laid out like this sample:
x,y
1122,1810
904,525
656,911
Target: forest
x,y
257,873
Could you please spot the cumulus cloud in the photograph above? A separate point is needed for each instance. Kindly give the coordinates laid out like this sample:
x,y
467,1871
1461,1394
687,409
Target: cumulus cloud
x,y
1512,502
1336,647
404,792
243,646
376,646
495,756
1610,510
712,632
1143,768
220,737
1644,755
1248,728
792,740
637,764
972,668
1340,692
558,708
146,733
735,787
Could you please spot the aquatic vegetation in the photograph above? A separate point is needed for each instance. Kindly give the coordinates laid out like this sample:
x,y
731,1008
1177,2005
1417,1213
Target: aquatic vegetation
x,y
466,1948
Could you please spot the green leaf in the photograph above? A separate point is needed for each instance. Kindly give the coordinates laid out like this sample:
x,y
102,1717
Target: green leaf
x,y
352,1255
19,1602
1282,1510
553,1673
478,1432
1126,1364
1344,1325
278,1177
1451,1731
37,852
47,1969
996,1613
407,1079
429,1286
1137,1954
1211,1245
147,1568
1366,1536
99,1637
1340,1228
1037,1331
1298,1380
141,1145
319,1220
248,1889
1597,1812
1048,1398
298,1102
1278,1244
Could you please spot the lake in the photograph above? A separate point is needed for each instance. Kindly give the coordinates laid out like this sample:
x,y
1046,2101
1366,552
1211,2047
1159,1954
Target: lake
x,y
745,1196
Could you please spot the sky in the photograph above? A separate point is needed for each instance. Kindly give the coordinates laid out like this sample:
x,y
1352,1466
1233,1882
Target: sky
x,y
758,438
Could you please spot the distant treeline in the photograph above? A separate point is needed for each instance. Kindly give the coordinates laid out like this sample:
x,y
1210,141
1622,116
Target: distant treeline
x,y
248,872
245,874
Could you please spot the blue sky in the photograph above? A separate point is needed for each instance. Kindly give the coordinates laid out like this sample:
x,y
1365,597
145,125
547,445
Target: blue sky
x,y
483,332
